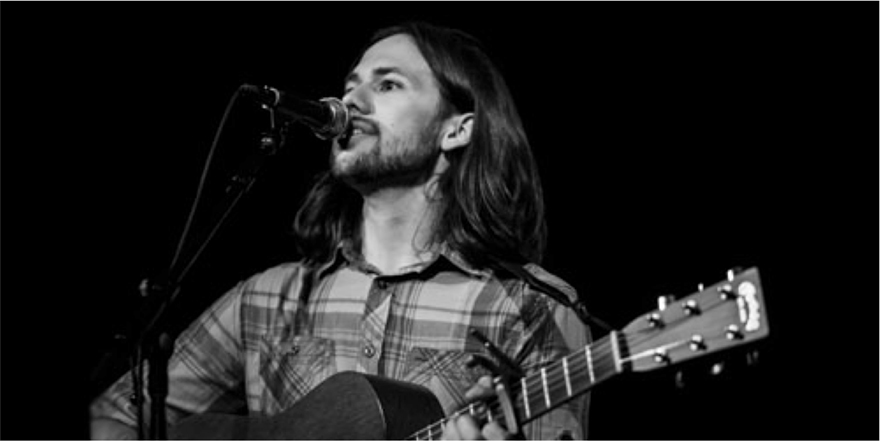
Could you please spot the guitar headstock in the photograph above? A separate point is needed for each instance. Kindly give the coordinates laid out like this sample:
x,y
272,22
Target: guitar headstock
x,y
728,314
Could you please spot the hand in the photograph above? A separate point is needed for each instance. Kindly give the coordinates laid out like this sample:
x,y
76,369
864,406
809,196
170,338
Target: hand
x,y
109,429
465,427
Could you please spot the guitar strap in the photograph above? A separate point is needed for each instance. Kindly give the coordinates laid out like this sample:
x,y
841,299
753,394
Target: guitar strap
x,y
577,306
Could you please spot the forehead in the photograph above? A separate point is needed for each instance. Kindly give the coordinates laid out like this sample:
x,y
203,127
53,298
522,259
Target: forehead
x,y
398,52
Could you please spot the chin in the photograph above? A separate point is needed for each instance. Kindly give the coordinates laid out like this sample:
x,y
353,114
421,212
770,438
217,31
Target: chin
x,y
343,159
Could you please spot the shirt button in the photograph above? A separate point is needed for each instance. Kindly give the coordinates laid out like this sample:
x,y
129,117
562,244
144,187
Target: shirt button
x,y
369,351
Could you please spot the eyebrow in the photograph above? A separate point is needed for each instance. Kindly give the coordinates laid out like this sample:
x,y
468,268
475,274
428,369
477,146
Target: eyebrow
x,y
378,72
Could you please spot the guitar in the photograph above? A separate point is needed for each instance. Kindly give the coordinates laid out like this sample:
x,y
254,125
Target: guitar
x,y
352,405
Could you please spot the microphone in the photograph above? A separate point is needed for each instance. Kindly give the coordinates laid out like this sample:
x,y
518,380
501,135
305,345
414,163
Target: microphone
x,y
327,117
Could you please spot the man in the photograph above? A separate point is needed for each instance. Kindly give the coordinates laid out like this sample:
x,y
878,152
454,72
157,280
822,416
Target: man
x,y
427,225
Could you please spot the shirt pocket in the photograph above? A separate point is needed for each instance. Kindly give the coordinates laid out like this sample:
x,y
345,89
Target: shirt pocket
x,y
444,372
291,367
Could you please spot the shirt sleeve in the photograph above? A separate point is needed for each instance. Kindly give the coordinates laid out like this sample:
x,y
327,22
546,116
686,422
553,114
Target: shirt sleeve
x,y
550,332
204,370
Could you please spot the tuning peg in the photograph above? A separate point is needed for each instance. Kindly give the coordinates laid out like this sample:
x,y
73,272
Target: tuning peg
x,y
733,332
691,307
664,301
697,343
717,368
679,379
732,272
752,358
661,357
700,287
726,292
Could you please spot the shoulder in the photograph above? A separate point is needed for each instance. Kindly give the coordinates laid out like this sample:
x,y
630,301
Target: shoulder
x,y
530,280
546,285
273,282
542,276
545,302
273,278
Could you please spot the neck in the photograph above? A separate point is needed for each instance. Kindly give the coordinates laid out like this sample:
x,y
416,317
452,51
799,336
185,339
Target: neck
x,y
397,227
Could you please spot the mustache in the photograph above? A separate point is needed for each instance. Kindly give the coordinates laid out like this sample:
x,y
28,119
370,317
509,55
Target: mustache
x,y
364,124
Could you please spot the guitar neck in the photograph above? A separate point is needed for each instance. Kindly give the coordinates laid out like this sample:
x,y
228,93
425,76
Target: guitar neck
x,y
573,375
553,385
727,314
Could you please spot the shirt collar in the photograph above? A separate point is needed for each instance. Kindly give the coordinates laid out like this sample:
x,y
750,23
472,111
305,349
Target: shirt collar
x,y
345,252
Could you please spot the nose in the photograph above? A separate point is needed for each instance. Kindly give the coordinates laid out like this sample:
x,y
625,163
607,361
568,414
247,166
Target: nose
x,y
357,99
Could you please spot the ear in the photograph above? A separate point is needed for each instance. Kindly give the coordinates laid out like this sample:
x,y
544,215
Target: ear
x,y
457,132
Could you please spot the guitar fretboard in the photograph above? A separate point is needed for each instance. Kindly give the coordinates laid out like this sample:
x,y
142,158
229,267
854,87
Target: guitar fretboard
x,y
538,393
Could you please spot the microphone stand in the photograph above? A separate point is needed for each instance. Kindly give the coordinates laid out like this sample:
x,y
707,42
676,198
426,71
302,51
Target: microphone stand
x,y
155,342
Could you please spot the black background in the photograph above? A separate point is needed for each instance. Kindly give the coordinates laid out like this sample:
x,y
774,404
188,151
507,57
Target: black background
x,y
675,142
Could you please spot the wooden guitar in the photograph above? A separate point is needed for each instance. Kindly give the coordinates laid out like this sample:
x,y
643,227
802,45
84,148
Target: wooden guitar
x,y
352,405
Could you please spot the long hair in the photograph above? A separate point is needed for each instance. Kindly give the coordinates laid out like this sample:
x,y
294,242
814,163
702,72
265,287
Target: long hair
x,y
491,204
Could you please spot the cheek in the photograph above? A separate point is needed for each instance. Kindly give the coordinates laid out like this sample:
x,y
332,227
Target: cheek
x,y
412,127
410,119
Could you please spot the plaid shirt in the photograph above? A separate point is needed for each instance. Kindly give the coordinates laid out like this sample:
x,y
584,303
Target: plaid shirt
x,y
276,336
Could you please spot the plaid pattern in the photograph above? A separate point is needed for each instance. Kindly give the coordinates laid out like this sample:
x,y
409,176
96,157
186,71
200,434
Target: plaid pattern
x,y
274,337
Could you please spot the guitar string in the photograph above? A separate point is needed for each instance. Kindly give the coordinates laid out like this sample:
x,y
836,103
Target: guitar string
x,y
554,381
635,340
555,378
494,405
555,373
495,408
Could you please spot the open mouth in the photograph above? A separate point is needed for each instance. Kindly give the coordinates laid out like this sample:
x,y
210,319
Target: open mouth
x,y
359,128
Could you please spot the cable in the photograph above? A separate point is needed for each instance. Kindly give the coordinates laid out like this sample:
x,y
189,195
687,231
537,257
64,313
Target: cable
x,y
207,165
138,380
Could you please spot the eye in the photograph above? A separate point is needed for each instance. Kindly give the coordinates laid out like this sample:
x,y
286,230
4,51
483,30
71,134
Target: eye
x,y
388,85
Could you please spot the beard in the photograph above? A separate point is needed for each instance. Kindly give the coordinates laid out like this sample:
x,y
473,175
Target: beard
x,y
393,162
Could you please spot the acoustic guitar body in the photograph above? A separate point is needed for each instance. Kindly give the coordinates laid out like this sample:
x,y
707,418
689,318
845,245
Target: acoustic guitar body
x,y
347,406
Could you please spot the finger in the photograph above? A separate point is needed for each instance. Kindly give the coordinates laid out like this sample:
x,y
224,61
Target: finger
x,y
493,431
485,381
450,431
467,428
482,389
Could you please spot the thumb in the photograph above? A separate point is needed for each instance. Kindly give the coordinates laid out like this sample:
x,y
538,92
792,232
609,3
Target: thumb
x,y
482,389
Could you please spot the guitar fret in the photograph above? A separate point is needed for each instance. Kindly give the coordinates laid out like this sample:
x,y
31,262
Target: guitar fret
x,y
546,390
589,356
611,355
615,351
525,397
567,377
